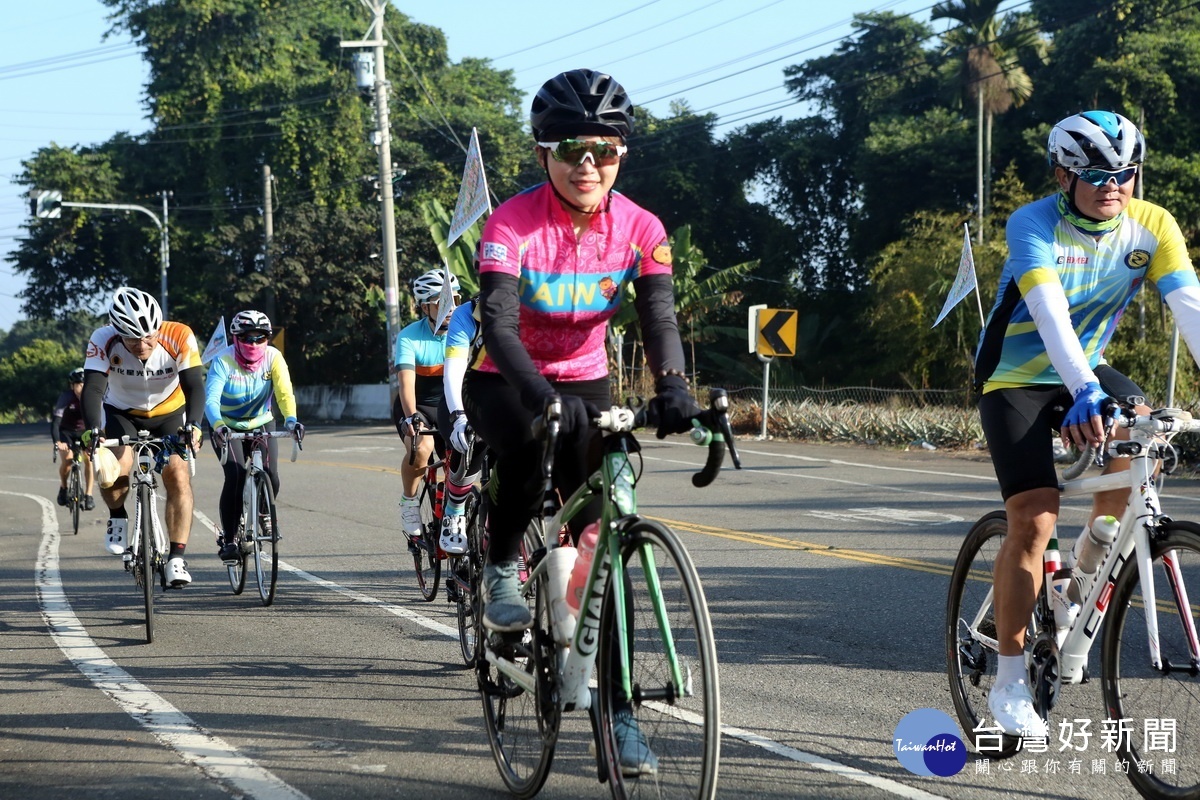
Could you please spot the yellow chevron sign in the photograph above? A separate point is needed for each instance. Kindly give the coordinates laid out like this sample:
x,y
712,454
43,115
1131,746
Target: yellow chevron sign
x,y
777,332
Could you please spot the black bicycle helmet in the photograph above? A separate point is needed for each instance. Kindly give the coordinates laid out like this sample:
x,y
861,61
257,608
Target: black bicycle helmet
x,y
581,102
76,375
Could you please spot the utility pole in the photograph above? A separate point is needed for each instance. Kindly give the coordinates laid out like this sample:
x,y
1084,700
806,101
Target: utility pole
x,y
269,234
164,256
382,136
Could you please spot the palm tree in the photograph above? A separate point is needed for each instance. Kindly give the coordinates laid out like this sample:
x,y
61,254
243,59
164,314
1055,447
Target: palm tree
x,y
988,71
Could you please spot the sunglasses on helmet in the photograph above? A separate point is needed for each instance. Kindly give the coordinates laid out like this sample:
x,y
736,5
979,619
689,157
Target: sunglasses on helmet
x,y
574,151
1099,177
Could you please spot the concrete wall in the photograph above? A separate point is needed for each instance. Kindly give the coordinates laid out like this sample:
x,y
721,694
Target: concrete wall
x,y
333,403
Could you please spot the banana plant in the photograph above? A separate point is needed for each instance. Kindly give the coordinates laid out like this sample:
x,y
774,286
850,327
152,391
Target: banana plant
x,y
459,257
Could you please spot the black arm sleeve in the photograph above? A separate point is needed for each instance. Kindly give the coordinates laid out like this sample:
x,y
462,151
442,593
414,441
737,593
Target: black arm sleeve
x,y
499,312
55,425
92,402
191,380
655,303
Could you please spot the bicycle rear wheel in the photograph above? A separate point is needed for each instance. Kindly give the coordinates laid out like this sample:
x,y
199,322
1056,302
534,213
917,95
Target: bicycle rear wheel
x,y
971,647
143,563
1163,705
678,718
425,547
465,570
265,536
522,726
75,495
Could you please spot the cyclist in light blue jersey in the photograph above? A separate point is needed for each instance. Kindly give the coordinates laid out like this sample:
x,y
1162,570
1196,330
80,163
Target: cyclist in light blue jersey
x,y
242,381
418,356
1076,259
464,351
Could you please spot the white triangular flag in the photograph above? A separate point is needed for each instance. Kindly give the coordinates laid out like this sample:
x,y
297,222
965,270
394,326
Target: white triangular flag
x,y
216,343
964,281
473,197
445,300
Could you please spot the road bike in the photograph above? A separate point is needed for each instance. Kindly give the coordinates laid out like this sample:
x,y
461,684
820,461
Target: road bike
x,y
147,547
426,549
258,528
75,482
463,571
643,622
1150,672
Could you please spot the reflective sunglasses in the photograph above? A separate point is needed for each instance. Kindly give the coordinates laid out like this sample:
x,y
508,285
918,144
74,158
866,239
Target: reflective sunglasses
x,y
574,151
1099,177
133,341
251,338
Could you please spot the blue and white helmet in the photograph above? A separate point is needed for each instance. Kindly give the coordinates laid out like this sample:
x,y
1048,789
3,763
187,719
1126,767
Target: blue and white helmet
x,y
1096,140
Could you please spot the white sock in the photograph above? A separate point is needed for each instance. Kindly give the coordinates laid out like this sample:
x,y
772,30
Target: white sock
x,y
1010,669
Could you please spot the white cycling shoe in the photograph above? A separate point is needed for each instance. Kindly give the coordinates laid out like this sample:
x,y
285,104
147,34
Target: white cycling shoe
x,y
1012,708
114,541
410,517
454,535
177,574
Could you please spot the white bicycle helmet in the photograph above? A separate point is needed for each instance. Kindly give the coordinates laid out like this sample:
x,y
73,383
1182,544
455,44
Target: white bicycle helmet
x,y
428,287
134,313
1096,140
249,320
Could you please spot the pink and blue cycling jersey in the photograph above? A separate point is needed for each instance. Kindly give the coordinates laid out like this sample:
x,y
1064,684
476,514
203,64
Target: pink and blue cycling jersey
x,y
569,289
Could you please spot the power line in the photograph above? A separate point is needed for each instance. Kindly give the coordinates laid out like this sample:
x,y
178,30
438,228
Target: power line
x,y
584,29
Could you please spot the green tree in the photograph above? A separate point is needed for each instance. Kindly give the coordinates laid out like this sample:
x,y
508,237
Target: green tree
x,y
32,377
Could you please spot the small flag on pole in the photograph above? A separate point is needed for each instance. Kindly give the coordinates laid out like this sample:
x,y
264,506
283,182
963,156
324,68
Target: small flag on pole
x,y
445,300
964,281
216,343
473,197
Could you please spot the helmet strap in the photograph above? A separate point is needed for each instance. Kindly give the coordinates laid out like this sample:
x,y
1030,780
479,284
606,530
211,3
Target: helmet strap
x,y
590,212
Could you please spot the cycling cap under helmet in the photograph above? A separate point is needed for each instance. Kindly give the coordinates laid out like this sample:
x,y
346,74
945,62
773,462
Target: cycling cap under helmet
x,y
428,287
249,320
134,313
581,102
1097,140
76,375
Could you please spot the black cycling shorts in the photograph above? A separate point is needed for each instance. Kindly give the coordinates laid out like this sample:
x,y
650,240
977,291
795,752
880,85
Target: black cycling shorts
x,y
119,422
1020,425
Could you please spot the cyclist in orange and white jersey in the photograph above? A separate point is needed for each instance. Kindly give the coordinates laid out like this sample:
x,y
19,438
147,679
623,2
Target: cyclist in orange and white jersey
x,y
145,374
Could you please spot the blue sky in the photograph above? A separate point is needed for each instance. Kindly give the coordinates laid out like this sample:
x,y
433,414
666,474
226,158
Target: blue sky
x,y
61,81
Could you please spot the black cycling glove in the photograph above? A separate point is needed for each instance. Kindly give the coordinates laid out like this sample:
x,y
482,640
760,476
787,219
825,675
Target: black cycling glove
x,y
673,407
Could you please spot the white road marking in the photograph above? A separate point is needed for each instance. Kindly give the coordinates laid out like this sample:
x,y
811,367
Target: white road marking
x,y
215,758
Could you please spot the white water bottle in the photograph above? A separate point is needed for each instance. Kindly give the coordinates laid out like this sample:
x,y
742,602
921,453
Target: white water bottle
x,y
1089,550
560,562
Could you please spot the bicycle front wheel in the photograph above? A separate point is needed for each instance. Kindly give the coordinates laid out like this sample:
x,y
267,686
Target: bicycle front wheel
x,y
424,548
75,495
661,734
464,570
143,563
265,530
522,725
237,570
1159,707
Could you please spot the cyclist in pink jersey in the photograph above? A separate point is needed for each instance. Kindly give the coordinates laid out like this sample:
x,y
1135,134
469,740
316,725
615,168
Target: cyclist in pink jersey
x,y
553,262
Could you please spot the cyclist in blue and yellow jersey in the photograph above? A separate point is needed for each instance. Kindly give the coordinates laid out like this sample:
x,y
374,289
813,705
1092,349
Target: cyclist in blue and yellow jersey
x,y
419,354
1076,259
66,426
145,374
242,380
464,351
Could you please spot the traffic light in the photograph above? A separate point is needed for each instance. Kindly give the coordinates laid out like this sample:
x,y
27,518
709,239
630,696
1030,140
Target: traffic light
x,y
45,204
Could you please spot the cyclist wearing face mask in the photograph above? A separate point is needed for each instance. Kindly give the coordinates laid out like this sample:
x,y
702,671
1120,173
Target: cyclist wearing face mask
x,y
419,353
242,381
1076,259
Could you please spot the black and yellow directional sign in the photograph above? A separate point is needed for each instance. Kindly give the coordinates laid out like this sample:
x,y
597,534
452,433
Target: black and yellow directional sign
x,y
777,332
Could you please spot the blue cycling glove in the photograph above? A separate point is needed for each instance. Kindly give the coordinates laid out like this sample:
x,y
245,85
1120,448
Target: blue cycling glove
x,y
1088,401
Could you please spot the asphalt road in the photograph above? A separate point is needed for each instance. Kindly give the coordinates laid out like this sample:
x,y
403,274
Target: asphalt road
x,y
826,571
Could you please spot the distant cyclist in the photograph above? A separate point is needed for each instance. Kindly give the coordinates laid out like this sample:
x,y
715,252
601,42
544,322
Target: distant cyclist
x,y
419,353
66,426
242,381
146,374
